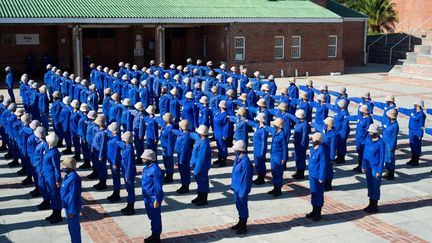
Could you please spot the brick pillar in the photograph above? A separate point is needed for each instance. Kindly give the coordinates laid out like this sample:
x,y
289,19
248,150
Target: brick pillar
x,y
321,2
63,47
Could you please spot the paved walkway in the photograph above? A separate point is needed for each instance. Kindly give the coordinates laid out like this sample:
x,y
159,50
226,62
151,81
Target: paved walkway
x,y
405,209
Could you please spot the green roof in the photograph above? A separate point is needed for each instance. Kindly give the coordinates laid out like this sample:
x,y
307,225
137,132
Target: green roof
x,y
344,11
163,10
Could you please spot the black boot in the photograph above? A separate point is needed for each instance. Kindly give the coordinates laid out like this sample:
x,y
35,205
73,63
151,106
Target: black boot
x,y
129,209
197,198
411,160
50,217
44,205
27,181
299,175
357,169
168,178
277,192
57,218
389,175
328,185
183,189
77,157
415,161
340,159
317,216
154,238
101,185
138,161
13,163
216,162
86,164
3,148
235,227
222,162
115,197
8,156
311,214
203,200
67,151
242,228
271,192
259,180
21,172
373,208
366,209
35,192
93,175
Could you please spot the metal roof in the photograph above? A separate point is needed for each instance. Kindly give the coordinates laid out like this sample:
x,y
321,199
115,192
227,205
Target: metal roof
x,y
163,11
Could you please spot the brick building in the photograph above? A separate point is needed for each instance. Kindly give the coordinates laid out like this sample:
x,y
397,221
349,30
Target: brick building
x,y
413,14
317,36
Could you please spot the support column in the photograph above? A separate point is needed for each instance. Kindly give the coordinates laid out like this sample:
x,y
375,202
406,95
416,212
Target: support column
x,y
160,44
77,50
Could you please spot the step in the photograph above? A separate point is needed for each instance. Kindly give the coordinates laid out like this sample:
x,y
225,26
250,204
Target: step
x,y
396,75
420,69
411,57
423,49
424,59
427,41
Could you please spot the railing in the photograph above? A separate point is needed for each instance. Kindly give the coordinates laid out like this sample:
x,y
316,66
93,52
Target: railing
x,y
409,39
386,34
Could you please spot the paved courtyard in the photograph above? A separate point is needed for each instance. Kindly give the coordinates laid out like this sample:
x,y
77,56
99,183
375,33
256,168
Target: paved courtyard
x,y
405,208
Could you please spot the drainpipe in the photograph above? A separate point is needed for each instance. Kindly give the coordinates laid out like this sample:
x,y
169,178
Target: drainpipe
x,y
365,54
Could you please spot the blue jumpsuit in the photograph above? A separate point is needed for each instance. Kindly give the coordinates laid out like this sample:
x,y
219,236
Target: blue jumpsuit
x,y
32,142
241,184
390,134
342,129
321,112
43,109
167,145
363,124
201,162
278,152
74,124
164,104
241,131
416,122
139,128
37,160
64,123
220,123
205,116
129,171
260,147
99,152
151,133
92,101
51,176
23,136
106,106
183,146
189,113
373,162
9,85
293,91
152,181
114,159
301,142
71,200
318,160
385,107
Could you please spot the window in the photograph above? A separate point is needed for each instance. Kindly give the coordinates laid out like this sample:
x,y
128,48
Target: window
x,y
205,46
279,47
239,48
332,46
295,47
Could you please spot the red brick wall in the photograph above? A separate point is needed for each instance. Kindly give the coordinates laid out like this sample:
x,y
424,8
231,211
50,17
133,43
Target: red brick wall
x,y
418,10
314,52
15,55
353,39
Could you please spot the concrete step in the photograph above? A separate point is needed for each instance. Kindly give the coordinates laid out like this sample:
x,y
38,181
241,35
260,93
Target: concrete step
x,y
424,59
397,75
423,49
420,69
427,40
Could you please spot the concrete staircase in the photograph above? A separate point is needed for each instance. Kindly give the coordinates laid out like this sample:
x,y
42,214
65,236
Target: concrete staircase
x,y
417,67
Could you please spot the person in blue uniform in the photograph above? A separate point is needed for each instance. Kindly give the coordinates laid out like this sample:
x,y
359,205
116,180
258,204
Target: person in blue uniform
x,y
241,129
221,126
342,128
301,142
56,108
372,166
128,171
138,129
241,184
114,159
99,152
115,113
205,113
93,98
318,160
293,90
152,192
167,144
70,192
14,125
127,116
183,148
201,162
9,83
37,160
388,105
190,110
24,134
308,89
364,100
52,178
321,110
32,142
107,103
390,134
43,106
83,124
415,125
152,135
64,123
164,101
278,156
259,147
74,120
363,123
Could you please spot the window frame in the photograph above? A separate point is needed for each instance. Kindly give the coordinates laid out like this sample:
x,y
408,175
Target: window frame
x,y
242,48
276,47
299,46
335,46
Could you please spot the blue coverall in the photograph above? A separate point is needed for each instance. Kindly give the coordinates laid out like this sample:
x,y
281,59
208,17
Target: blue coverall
x,y
201,162
373,162
9,85
99,151
51,176
129,170
64,123
301,142
183,147
220,124
390,134
114,159
416,122
278,152
260,147
241,184
318,159
139,129
363,123
167,144
152,182
71,200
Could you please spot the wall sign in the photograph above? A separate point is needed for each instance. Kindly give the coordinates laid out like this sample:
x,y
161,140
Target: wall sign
x,y
20,39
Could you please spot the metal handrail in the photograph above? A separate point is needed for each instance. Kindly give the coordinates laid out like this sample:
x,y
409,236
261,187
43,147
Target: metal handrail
x,y
386,34
408,36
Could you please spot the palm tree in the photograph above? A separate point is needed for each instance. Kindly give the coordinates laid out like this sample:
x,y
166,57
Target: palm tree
x,y
382,14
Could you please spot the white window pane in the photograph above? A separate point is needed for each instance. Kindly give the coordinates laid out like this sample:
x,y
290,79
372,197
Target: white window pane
x,y
279,41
